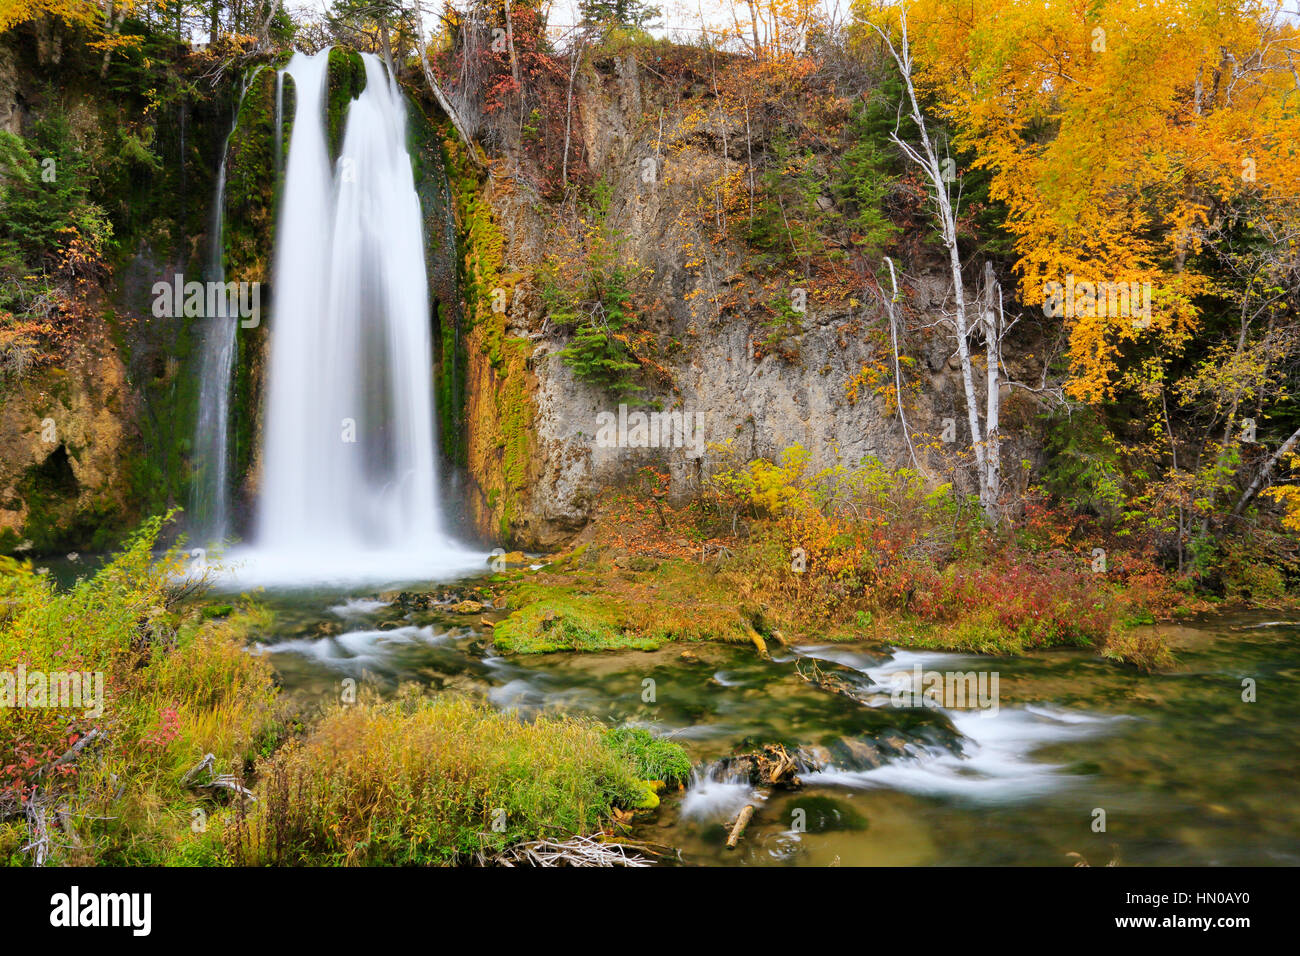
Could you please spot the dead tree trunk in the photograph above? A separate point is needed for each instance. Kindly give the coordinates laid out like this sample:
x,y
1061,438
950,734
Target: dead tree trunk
x,y
1265,471
938,178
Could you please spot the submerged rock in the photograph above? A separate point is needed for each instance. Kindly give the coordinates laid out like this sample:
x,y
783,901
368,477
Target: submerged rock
x,y
820,814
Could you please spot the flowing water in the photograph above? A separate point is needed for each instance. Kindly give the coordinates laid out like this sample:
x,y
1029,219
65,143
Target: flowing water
x,y
210,498
349,487
1186,771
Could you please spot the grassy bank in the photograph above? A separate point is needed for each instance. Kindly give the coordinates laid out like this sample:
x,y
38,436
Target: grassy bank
x,y
124,778
770,551
430,781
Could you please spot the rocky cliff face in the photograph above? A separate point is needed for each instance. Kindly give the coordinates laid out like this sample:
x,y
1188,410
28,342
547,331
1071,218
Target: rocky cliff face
x,y
95,429
518,424
660,154
65,443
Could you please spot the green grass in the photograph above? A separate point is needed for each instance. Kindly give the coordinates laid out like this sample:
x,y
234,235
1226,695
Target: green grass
x,y
417,780
654,757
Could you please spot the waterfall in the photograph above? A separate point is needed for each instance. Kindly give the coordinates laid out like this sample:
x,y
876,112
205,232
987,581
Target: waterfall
x,y
210,494
349,484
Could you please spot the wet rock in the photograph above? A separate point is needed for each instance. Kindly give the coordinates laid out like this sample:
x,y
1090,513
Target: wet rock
x,y
408,600
861,754
468,607
894,743
813,758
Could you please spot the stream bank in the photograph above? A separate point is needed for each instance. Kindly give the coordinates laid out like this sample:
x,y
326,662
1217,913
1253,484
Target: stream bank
x,y
1163,754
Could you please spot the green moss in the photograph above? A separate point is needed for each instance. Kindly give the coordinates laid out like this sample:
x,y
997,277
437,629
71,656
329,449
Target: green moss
x,y
347,78
160,355
568,622
515,414
424,142
450,370
252,187
489,291
647,798
602,607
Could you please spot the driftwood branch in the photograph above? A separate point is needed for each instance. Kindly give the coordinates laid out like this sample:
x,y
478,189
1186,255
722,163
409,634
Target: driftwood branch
x,y
72,753
1265,471
223,781
890,304
39,834
575,851
738,829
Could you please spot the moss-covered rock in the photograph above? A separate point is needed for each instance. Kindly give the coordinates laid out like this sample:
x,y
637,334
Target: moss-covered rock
x,y
600,608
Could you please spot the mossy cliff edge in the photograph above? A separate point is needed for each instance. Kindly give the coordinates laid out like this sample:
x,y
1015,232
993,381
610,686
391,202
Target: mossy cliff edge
x,y
499,409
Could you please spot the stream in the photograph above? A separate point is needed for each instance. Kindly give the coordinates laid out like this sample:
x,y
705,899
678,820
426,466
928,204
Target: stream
x,y
1185,770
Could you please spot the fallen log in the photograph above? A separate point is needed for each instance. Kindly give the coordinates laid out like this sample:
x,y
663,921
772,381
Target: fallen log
x,y
38,833
72,753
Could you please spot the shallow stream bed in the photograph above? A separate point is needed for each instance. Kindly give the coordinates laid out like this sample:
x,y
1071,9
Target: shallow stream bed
x,y
1185,770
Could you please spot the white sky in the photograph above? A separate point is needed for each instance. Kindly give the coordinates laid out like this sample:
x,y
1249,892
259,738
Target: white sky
x,y
678,15
684,16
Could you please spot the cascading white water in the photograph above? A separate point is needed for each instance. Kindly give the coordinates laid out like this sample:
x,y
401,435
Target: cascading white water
x,y
349,484
210,496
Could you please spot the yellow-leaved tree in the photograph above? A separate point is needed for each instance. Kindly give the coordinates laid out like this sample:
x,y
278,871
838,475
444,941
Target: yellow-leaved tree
x,y
1114,131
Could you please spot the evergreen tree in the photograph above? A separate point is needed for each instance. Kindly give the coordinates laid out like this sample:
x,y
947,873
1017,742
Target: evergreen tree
x,y
620,13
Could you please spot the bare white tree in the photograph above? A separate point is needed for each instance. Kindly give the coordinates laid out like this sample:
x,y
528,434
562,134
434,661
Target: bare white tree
x,y
938,174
